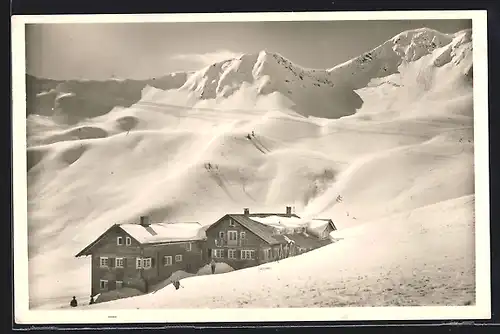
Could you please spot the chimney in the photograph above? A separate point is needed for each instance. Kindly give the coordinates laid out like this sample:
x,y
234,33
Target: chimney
x,y
289,211
246,211
145,221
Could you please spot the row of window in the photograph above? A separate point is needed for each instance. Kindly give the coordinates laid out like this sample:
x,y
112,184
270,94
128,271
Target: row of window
x,y
289,230
128,242
104,283
119,241
245,254
232,235
140,263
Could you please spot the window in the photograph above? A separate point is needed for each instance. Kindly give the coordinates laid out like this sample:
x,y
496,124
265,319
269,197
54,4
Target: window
x,y
221,234
128,241
188,247
178,258
231,253
167,260
232,235
242,235
146,263
247,254
119,284
104,261
267,253
218,253
119,241
103,284
231,222
119,262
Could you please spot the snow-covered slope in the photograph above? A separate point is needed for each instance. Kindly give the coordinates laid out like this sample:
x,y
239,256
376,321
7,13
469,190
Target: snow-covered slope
x,y
426,258
76,100
366,146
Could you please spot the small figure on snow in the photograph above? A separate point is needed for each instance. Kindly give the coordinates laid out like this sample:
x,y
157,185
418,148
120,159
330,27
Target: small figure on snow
x,y
176,284
73,302
253,134
91,300
212,266
248,137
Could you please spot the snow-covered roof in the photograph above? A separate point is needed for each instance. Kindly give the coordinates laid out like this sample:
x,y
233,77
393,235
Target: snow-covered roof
x,y
317,226
278,221
164,232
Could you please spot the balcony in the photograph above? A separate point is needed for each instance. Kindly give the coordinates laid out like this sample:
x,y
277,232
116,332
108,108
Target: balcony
x,y
231,243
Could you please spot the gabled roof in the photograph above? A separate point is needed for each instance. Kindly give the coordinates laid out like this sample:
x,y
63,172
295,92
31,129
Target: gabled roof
x,y
318,225
164,232
86,250
155,233
263,231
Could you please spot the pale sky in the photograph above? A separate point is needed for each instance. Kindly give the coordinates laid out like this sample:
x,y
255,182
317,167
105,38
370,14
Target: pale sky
x,y
146,50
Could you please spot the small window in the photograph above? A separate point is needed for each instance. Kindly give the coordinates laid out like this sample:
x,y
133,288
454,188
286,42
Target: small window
x,y
232,235
231,253
231,222
128,241
119,284
247,254
218,253
178,258
243,235
188,247
119,262
138,263
167,260
146,263
119,241
103,284
104,261
221,234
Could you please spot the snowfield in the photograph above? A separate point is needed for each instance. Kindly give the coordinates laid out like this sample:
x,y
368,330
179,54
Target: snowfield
x,y
383,145
426,259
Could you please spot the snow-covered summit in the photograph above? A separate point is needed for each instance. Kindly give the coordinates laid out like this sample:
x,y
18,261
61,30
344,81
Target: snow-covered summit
x,y
406,47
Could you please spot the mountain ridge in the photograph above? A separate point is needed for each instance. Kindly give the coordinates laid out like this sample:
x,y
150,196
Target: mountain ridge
x,y
264,76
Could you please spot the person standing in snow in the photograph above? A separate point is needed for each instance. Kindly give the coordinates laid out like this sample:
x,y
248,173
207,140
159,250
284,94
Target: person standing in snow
x,y
212,265
73,302
253,134
91,300
176,284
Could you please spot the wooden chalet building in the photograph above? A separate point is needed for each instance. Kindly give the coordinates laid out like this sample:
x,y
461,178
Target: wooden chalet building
x,y
139,255
242,240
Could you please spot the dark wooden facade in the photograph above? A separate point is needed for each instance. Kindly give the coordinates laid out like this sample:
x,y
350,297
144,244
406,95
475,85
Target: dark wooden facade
x,y
135,265
233,243
120,260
